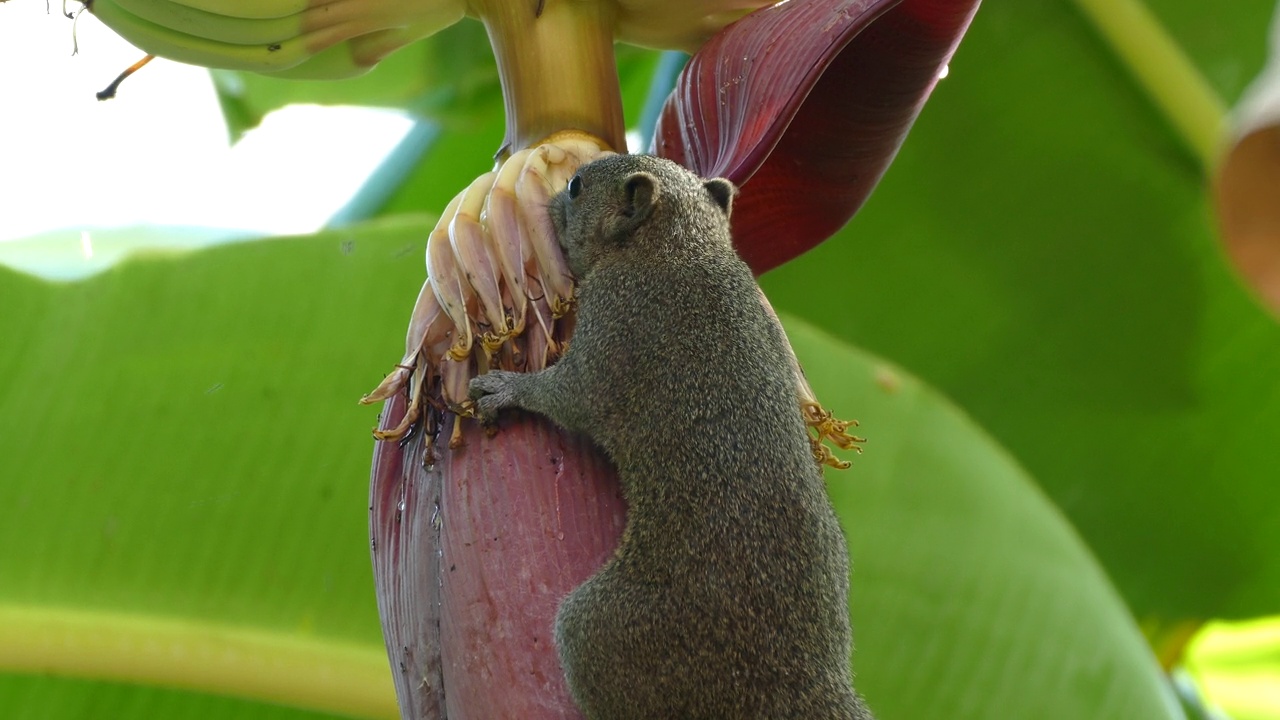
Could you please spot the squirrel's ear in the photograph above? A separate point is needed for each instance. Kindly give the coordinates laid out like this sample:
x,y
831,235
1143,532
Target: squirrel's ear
x,y
640,191
722,192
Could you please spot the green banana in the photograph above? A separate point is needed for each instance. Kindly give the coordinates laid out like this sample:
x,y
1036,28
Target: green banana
x,y
187,20
249,9
165,42
332,63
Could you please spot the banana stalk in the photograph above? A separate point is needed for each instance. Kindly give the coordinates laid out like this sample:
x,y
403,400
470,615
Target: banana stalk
x,y
556,62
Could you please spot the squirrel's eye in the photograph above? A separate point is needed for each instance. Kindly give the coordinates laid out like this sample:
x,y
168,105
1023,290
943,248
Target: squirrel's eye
x,y
575,186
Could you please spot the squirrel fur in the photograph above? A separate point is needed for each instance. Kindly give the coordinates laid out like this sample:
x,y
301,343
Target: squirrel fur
x,y
727,597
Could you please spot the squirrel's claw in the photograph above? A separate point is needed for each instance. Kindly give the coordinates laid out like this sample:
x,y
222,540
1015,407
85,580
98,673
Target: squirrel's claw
x,y
491,393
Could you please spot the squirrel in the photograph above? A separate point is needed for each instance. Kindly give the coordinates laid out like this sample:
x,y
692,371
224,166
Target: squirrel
x,y
727,597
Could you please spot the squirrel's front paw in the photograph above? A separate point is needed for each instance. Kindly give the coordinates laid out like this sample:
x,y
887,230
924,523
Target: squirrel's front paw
x,y
492,392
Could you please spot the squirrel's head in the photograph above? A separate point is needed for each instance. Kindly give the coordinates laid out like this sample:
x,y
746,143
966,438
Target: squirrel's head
x,y
612,203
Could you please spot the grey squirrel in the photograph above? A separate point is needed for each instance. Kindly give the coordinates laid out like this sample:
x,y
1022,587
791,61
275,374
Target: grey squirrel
x,y
727,596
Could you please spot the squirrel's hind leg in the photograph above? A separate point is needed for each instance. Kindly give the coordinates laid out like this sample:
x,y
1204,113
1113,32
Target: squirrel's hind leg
x,y
614,641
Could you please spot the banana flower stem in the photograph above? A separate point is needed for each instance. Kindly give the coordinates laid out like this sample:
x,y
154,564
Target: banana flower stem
x,y
556,63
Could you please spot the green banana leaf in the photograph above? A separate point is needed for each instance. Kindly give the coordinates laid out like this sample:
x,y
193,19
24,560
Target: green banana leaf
x,y
1043,251
949,537
185,477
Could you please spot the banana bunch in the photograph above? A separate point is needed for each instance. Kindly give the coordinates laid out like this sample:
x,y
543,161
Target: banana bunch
x,y
285,38
498,290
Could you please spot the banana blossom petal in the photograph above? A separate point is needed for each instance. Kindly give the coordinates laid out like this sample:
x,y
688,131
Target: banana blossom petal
x,y
803,105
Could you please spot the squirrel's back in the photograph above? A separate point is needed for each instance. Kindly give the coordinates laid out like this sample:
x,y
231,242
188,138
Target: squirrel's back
x,y
727,597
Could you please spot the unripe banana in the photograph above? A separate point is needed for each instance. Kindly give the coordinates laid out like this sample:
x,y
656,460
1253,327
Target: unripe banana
x,y
322,39
159,40
333,63
183,19
253,9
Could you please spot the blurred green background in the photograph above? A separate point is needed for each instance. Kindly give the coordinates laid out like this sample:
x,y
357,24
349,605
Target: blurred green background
x,y
1072,405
